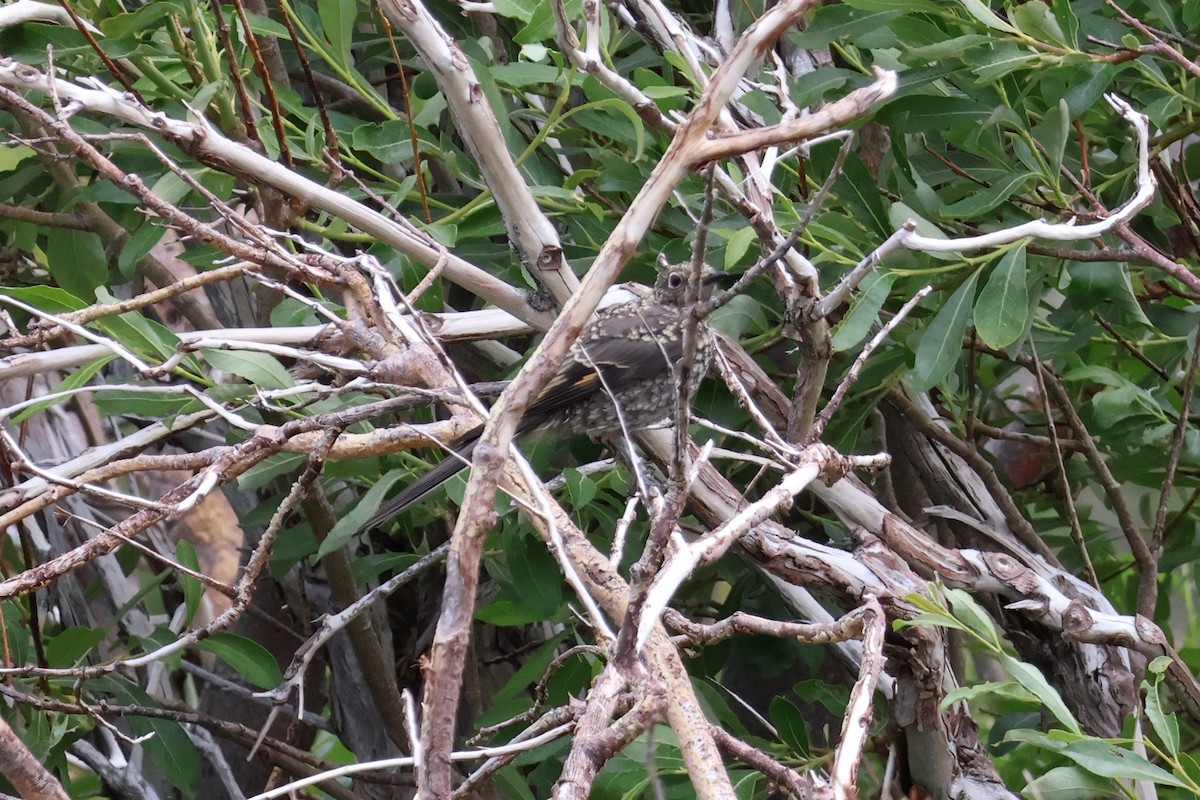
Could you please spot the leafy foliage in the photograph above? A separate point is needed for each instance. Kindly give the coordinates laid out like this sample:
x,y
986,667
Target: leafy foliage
x,y
999,118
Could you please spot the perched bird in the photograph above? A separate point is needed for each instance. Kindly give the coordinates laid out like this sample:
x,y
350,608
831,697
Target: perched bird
x,y
619,375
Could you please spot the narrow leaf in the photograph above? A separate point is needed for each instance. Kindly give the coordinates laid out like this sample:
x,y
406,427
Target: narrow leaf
x,y
793,730
977,203
1032,679
251,660
1107,760
1069,783
77,262
980,11
942,342
1166,726
737,246
260,369
855,326
1003,306
350,523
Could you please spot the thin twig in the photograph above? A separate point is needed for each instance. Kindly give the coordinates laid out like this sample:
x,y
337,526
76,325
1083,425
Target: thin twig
x,y
822,420
1068,496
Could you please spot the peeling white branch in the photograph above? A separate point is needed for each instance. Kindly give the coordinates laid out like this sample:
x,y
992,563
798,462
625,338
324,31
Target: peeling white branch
x,y
1065,231
815,460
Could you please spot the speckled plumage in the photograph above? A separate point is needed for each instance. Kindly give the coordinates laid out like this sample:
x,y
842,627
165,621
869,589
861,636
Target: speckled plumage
x,y
627,354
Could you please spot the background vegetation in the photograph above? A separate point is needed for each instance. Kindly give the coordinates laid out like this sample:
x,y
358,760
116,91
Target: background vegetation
x,y
236,238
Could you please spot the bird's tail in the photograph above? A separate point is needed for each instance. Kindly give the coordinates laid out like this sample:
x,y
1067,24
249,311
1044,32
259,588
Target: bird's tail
x,y
450,466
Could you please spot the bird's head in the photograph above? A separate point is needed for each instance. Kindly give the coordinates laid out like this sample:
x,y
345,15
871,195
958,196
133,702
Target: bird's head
x,y
672,284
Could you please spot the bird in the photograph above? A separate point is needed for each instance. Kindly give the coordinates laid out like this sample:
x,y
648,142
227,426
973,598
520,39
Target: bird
x,y
619,376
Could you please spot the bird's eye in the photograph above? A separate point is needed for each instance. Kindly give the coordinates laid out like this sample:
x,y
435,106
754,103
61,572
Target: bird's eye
x,y
675,281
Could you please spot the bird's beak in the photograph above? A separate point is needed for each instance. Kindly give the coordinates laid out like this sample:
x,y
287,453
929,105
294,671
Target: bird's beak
x,y
716,276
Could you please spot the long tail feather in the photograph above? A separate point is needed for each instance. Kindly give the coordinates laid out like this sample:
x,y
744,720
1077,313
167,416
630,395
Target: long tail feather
x,y
450,466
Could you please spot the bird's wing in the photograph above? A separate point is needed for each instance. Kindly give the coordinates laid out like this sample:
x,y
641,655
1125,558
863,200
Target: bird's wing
x,y
628,352
624,352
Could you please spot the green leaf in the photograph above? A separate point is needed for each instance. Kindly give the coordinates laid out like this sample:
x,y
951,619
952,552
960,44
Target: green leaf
x,y
506,613
973,615
1069,783
903,6
608,118
665,92
532,669
1120,398
169,749
1191,13
11,156
185,554
20,643
745,783
1068,23
541,21
954,47
789,721
840,23
1008,689
811,88
1035,19
1032,679
269,468
833,698
389,141
580,488
259,369
1109,761
145,18
513,784
172,188
980,11
1053,132
79,377
77,262
1001,60
1091,80
366,569
68,648
979,203
1166,726
942,343
740,316
1105,286
142,335
350,523
872,293
737,245
137,246
930,602
50,299
157,405
536,579
858,189
517,9
1164,12
900,213
1162,110
933,619
337,21
522,73
262,26
249,658
1002,309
